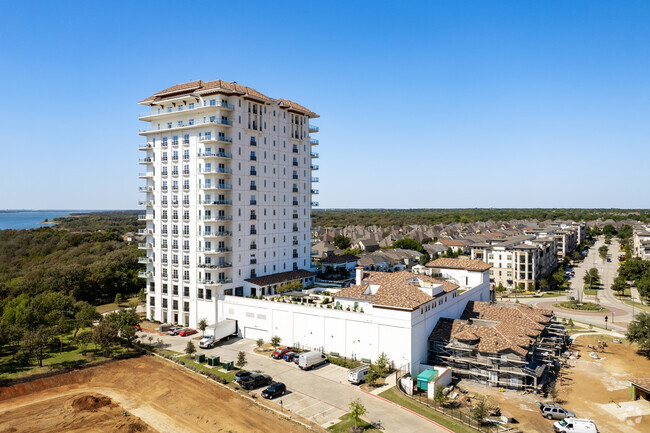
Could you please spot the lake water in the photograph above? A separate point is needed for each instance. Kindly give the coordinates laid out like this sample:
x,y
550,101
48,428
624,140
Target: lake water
x,y
18,220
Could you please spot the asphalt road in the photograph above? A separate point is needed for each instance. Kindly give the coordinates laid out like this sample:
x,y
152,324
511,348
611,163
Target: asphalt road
x,y
321,395
620,314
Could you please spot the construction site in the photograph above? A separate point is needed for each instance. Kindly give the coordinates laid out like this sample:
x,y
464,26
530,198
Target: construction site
x,y
144,394
512,346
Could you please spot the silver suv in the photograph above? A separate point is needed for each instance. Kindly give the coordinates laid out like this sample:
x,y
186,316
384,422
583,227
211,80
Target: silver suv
x,y
554,411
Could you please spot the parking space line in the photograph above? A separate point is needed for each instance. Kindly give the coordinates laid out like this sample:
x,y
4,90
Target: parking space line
x,y
307,407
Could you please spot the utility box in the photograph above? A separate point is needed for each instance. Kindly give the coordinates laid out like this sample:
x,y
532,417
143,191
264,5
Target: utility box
x,y
228,365
200,357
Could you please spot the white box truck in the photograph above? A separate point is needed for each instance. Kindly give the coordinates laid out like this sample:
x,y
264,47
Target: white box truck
x,y
221,330
358,375
575,425
309,360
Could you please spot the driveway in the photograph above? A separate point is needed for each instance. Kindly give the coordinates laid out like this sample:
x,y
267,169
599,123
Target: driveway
x,y
321,395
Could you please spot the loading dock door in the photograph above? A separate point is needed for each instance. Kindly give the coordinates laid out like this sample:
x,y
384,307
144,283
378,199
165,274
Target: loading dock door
x,y
254,333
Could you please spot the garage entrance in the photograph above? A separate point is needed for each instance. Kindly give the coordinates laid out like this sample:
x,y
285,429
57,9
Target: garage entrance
x,y
254,333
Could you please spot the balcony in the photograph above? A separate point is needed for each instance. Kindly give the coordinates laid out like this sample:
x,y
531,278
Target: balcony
x,y
215,265
145,260
295,189
147,188
222,186
313,128
314,203
253,247
217,234
147,160
313,142
215,218
313,167
253,261
146,175
295,176
253,217
294,242
253,158
295,255
214,250
215,202
313,154
217,138
145,146
295,229
146,217
216,170
165,113
314,191
295,203
145,274
145,246
223,155
295,150
295,216
253,188
314,179
215,282
146,203
253,232
145,232
295,163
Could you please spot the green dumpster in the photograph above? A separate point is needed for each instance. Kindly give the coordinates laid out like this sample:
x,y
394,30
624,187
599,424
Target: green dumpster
x,y
425,377
211,361
200,357
228,365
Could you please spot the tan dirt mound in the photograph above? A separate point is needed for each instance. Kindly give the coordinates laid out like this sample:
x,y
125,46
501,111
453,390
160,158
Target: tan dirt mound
x,y
91,402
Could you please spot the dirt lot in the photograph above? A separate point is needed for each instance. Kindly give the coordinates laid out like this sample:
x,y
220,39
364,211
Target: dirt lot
x,y
592,389
158,397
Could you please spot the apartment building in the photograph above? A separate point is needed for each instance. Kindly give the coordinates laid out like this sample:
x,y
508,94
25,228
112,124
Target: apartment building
x,y
517,260
228,190
641,242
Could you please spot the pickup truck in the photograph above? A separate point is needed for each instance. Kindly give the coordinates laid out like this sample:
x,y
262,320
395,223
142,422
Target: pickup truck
x,y
255,380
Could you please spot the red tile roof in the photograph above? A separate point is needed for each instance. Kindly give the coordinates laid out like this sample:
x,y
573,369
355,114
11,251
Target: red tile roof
x,y
468,264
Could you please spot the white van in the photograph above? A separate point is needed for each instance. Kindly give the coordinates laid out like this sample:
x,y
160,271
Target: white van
x,y
577,425
358,375
311,359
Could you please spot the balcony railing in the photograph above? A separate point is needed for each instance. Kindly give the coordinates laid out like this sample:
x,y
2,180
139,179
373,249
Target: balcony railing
x,y
145,260
314,203
215,265
313,128
253,173
314,191
185,110
295,203
145,274
215,202
215,282
214,250
215,218
145,246
145,146
145,217
215,155
313,154
144,232
314,179
313,167
216,170
225,186
220,138
146,203
313,142
148,160
146,189
253,202
217,234
147,174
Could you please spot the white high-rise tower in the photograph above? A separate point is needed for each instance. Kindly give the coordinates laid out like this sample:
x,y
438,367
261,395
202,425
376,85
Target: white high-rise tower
x,y
228,197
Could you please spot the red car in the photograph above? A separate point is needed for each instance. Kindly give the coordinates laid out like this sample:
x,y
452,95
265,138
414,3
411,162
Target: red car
x,y
280,352
187,331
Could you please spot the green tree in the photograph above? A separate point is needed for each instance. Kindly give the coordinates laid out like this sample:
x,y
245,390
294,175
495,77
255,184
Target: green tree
x,y
619,285
439,395
643,286
558,277
342,242
85,316
543,285
480,411
190,348
241,359
118,299
591,278
83,339
259,342
633,269
575,255
105,335
625,232
609,230
142,297
275,341
357,410
36,342
202,325
602,252
409,244
638,331
382,363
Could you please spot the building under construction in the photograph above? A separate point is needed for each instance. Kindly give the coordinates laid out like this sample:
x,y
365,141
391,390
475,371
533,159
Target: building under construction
x,y
505,345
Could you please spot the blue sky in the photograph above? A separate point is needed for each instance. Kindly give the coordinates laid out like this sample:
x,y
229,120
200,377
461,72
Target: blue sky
x,y
423,104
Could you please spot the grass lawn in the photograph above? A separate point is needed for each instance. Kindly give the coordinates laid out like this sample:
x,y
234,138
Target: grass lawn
x,y
71,356
587,307
638,305
230,376
396,396
591,292
101,309
346,422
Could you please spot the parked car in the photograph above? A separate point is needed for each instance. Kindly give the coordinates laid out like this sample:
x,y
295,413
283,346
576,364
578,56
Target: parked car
x,y
255,380
575,425
289,356
554,411
186,331
275,389
174,330
609,259
280,352
243,374
309,360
